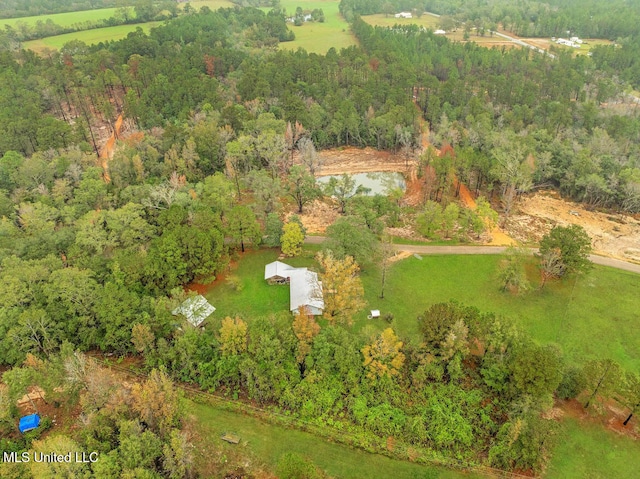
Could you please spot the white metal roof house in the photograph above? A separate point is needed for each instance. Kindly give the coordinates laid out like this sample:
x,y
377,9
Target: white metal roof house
x,y
305,290
403,15
304,287
439,32
277,272
196,309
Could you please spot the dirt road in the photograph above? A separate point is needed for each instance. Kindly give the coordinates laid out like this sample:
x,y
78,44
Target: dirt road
x,y
427,250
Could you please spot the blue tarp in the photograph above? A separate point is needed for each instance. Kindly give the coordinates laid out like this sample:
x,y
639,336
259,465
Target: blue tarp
x,y
27,423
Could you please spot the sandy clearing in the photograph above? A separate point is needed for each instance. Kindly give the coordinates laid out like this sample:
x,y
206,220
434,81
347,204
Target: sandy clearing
x,y
613,234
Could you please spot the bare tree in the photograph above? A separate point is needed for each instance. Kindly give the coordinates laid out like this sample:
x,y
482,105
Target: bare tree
x,y
309,156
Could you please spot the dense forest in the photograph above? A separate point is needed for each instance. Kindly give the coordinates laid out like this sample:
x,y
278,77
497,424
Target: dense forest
x,y
95,258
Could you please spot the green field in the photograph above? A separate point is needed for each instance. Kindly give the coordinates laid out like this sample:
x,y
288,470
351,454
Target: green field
x,y
257,298
431,22
382,20
318,37
586,321
89,37
268,443
63,19
588,451
212,4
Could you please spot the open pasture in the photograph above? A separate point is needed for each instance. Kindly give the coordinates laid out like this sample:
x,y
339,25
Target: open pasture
x,y
582,316
318,37
63,19
89,37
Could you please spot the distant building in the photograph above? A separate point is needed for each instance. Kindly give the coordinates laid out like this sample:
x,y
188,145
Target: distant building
x,y
439,32
305,289
403,15
568,43
576,40
196,309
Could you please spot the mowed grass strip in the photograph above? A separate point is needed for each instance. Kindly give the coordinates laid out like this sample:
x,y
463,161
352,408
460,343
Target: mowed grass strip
x,y
269,442
64,19
588,451
89,37
593,316
318,37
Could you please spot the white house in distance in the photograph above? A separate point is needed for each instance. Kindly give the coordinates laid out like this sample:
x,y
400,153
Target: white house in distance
x,y
568,43
439,32
304,287
196,309
403,15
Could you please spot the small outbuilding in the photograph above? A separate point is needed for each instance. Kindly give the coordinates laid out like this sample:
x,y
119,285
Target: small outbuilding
x,y
196,309
439,32
29,423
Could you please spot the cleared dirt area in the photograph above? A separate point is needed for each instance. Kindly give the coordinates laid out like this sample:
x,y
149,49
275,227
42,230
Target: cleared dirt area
x,y
613,234
366,160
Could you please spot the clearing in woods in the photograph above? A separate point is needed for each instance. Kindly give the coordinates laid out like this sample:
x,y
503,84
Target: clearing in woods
x,y
90,37
67,19
316,37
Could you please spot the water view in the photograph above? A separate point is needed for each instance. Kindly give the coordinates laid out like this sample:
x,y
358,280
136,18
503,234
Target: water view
x,y
378,183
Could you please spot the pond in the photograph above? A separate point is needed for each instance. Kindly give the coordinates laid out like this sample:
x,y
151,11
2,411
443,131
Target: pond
x,y
379,183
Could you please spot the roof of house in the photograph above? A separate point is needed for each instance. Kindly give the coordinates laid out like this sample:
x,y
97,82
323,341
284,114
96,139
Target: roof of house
x,y
277,269
196,309
305,289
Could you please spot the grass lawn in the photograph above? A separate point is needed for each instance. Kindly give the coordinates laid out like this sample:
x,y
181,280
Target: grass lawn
x,y
256,298
269,442
382,20
63,19
93,36
587,46
318,37
586,321
589,451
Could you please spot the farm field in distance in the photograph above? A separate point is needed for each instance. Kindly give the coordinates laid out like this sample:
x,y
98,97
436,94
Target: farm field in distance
x,y
95,35
318,37
64,19
212,4
432,22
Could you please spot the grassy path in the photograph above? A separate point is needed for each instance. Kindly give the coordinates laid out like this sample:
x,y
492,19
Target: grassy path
x,y
268,443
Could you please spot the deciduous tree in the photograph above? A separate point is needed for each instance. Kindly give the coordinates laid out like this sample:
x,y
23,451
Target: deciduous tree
x,y
384,356
342,287
292,239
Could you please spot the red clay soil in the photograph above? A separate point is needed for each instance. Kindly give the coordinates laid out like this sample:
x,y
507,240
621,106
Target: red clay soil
x,y
107,150
612,417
